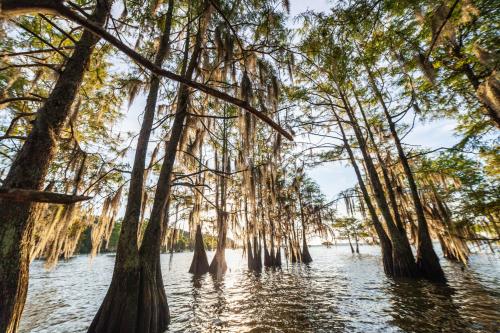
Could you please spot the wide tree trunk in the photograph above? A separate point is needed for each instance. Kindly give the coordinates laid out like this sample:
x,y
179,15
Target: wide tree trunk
x,y
218,266
257,254
148,308
199,265
277,258
28,171
306,256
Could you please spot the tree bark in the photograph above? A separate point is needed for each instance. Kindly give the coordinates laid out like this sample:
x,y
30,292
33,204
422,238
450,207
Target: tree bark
x,y
136,299
199,265
427,260
385,242
28,172
402,256
22,195
218,266
305,255
385,173
268,260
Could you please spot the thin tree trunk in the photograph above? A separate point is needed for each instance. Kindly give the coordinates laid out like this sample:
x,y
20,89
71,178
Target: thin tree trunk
x,y
402,256
427,260
267,256
199,265
356,241
385,174
385,242
218,266
306,256
349,240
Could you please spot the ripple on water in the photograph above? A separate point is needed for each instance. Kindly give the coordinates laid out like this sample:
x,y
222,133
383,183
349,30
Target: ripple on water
x,y
337,292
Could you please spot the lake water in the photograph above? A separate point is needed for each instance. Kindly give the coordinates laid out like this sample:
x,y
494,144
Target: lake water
x,y
337,292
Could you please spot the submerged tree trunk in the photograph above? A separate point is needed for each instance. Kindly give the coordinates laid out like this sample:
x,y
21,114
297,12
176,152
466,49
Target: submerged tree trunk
x,y
306,256
136,300
350,243
249,254
257,255
427,260
268,259
356,241
199,265
273,250
218,266
402,256
277,259
385,242
28,171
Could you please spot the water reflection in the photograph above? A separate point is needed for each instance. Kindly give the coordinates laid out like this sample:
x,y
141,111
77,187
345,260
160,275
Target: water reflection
x,y
420,307
337,292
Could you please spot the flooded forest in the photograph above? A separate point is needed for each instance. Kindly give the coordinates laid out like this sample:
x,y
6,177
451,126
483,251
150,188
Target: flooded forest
x,y
249,166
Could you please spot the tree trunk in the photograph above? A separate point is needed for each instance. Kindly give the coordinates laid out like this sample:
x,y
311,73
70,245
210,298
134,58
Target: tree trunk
x,y
28,171
350,243
136,300
427,260
273,236
249,254
306,257
402,256
356,241
250,259
257,255
277,259
385,174
267,256
199,265
218,266
385,242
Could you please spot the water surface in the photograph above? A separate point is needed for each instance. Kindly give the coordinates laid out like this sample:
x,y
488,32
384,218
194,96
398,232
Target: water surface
x,y
337,292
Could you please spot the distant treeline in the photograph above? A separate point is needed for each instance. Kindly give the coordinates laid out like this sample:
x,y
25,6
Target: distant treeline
x,y
182,243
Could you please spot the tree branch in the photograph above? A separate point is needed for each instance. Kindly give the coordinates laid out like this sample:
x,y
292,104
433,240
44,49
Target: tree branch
x,y
436,37
17,99
21,53
18,7
22,195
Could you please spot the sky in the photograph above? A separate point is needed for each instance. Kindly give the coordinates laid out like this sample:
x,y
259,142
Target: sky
x,y
335,176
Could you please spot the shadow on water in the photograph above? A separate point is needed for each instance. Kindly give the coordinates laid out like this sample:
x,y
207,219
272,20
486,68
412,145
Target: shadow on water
x,y
462,305
419,306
